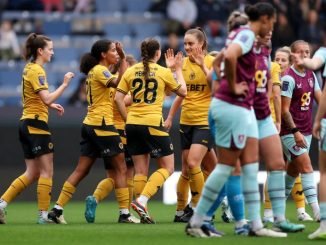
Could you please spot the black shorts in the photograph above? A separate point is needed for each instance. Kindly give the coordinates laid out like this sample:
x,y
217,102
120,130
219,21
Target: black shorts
x,y
100,141
148,139
128,158
35,138
195,135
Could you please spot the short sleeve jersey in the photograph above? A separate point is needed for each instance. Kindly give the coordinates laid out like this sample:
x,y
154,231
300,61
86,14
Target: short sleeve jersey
x,y
34,80
321,54
245,68
147,95
195,105
300,87
99,97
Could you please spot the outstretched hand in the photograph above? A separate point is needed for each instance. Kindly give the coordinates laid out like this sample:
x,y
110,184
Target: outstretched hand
x,y
173,61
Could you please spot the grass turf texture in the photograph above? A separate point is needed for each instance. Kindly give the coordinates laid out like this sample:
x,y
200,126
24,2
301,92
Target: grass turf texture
x,y
21,228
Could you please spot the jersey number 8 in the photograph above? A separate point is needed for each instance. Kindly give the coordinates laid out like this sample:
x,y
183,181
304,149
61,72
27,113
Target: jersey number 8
x,y
149,90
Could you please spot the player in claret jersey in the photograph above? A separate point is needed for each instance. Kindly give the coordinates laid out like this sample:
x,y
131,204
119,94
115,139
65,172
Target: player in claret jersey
x,y
283,61
233,120
319,129
270,146
299,89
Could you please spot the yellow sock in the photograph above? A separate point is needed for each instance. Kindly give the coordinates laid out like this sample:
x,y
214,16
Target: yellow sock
x,y
122,196
66,193
196,184
44,187
103,189
155,182
16,187
182,192
130,184
267,201
205,174
297,194
139,184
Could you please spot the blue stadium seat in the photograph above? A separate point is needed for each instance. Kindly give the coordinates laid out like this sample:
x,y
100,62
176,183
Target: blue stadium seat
x,y
117,29
108,5
10,78
135,51
65,54
144,30
56,27
138,6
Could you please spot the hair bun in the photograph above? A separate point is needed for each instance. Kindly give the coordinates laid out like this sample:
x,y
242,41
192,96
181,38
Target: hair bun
x,y
252,12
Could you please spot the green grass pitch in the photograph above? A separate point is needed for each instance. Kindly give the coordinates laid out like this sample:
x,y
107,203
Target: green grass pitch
x,y
21,228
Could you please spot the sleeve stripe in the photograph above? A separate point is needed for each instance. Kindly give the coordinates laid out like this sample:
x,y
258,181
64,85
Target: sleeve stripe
x,y
176,88
121,91
38,90
109,81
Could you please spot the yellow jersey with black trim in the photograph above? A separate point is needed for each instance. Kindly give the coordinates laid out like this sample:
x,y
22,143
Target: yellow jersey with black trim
x,y
119,123
99,96
196,104
147,96
276,81
34,80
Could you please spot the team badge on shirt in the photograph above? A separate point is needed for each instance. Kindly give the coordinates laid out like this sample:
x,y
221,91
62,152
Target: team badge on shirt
x,y
244,38
311,82
41,80
285,86
107,74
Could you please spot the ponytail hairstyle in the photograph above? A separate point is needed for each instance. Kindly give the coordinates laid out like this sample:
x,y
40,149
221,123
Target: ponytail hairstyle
x,y
259,9
201,37
148,50
91,59
236,19
32,44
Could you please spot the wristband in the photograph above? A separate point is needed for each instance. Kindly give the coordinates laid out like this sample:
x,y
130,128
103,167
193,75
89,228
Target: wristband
x,y
294,130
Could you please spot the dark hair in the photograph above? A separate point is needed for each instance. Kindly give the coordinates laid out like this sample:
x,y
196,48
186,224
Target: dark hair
x,y
259,9
89,60
148,49
200,35
236,19
294,45
32,44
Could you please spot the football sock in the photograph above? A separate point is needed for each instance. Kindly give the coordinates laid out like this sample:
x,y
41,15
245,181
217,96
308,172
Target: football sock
x,y
15,188
44,187
103,189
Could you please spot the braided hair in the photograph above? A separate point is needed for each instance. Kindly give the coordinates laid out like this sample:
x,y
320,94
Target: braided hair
x,y
148,51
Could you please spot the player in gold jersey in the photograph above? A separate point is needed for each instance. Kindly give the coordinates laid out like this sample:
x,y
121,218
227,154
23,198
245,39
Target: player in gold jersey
x,y
147,82
196,141
34,132
99,136
106,185
283,59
